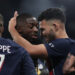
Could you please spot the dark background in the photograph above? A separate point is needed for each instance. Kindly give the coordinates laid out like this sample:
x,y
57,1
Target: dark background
x,y
7,8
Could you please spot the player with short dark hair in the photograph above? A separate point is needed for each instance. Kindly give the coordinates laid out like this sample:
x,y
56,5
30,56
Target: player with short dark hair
x,y
52,24
51,14
28,27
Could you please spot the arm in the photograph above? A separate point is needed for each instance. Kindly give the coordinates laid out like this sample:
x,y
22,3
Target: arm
x,y
69,64
32,49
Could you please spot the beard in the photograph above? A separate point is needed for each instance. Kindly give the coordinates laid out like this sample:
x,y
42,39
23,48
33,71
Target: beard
x,y
52,35
49,37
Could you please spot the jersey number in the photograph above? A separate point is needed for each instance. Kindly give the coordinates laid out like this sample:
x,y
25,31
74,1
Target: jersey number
x,y
2,57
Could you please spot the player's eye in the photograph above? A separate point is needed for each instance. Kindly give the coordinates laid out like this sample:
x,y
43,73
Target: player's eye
x,y
31,25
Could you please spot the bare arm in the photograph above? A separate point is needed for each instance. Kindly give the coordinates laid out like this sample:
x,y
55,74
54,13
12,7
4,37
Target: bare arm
x,y
37,50
69,64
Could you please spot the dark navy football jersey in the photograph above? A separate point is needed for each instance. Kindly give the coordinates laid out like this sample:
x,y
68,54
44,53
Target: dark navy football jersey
x,y
14,60
57,53
73,49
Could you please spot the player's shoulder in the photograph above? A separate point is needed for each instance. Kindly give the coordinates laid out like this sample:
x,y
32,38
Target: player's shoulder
x,y
8,42
14,47
60,43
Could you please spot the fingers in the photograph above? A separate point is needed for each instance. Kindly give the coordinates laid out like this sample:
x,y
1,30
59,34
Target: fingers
x,y
12,22
15,14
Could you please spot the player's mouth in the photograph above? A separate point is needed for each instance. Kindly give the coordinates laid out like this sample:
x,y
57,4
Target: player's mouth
x,y
34,36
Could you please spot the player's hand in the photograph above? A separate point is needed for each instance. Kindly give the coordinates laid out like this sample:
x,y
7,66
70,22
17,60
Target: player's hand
x,y
12,22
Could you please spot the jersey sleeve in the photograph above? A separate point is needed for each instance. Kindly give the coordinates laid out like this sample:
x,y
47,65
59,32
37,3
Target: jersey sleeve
x,y
72,51
56,49
28,66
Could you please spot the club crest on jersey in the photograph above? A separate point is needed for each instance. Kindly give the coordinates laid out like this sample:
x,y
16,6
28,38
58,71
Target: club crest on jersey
x,y
51,44
5,48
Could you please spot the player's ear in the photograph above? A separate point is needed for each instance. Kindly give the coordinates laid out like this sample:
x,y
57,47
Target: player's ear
x,y
55,26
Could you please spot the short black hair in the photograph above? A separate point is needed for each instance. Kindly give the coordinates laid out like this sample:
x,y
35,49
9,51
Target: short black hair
x,y
52,13
21,19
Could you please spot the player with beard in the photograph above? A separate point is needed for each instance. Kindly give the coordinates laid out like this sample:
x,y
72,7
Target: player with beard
x,y
52,21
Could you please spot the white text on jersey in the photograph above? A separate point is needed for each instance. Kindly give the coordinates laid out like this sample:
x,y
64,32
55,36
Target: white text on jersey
x,y
5,48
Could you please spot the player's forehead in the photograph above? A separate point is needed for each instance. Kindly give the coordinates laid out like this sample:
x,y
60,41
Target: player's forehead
x,y
31,20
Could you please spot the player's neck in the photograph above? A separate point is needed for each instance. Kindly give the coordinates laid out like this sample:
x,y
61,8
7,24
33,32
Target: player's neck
x,y
62,34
